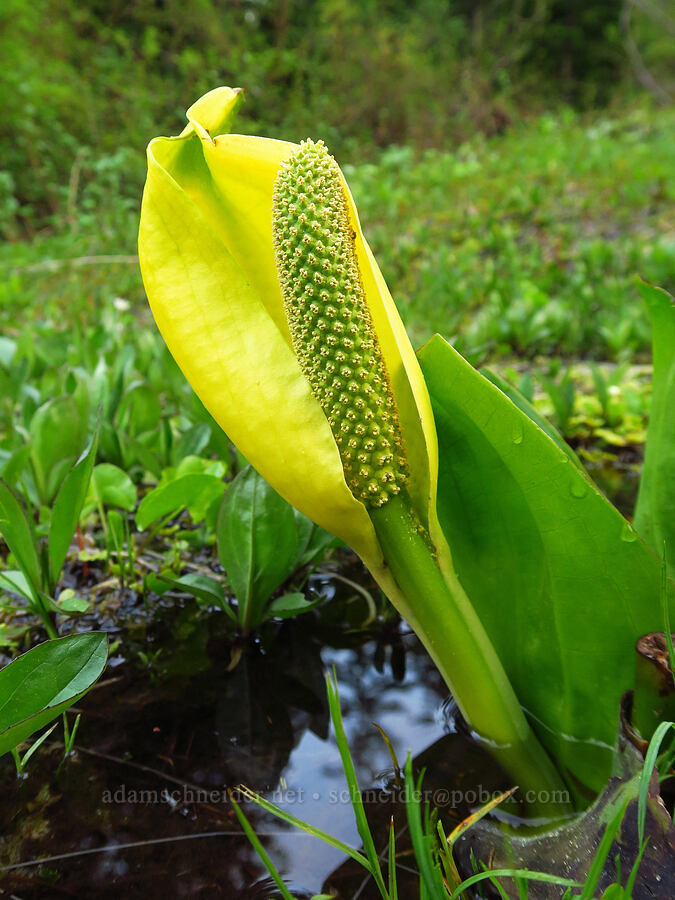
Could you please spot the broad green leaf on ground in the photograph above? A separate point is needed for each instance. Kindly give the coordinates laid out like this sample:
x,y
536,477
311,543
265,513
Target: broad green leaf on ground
x,y
207,591
139,410
204,505
290,605
15,582
39,685
67,509
655,511
192,465
562,583
176,495
68,602
15,530
257,541
111,486
59,431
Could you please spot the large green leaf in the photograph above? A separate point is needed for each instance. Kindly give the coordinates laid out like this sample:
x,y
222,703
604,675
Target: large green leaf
x,y
257,541
59,431
111,486
524,404
655,511
16,531
174,496
39,685
67,509
562,583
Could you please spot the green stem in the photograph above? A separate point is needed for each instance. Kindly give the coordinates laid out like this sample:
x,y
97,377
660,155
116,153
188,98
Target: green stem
x,y
439,610
48,618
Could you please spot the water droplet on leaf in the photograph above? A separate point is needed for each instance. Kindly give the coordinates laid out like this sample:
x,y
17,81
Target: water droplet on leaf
x,y
578,488
628,533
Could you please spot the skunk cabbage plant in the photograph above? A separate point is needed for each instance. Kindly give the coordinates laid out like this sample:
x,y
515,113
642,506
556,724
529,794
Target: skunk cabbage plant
x,y
270,300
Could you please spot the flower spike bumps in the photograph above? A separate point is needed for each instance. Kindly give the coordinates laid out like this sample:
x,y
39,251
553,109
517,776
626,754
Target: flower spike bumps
x,y
331,327
273,306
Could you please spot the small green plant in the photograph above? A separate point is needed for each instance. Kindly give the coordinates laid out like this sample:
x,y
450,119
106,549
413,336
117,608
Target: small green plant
x,y
69,735
195,485
262,543
40,563
22,761
562,394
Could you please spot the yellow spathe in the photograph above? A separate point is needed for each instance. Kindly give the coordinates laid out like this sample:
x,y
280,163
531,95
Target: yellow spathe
x,y
208,264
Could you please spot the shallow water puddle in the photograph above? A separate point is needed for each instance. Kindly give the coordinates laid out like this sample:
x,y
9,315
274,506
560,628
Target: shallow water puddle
x,y
141,810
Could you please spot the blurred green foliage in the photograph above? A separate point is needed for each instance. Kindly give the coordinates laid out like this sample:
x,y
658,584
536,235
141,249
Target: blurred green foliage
x,y
528,244
87,83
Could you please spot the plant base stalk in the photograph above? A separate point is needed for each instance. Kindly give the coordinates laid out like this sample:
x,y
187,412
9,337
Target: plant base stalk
x,y
440,612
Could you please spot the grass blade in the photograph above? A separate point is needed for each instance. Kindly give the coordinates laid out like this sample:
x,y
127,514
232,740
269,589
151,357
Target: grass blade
x,y
630,884
451,874
393,889
477,816
392,753
290,819
260,850
645,778
352,782
432,881
600,858
525,874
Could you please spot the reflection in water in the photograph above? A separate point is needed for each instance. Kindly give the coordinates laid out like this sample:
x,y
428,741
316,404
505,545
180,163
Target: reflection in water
x,y
266,889
141,810
316,790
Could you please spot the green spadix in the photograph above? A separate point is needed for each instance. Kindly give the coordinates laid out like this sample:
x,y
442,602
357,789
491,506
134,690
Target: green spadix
x,y
330,323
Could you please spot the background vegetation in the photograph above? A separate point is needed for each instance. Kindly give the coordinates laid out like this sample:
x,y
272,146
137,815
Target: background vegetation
x,y
87,84
513,164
